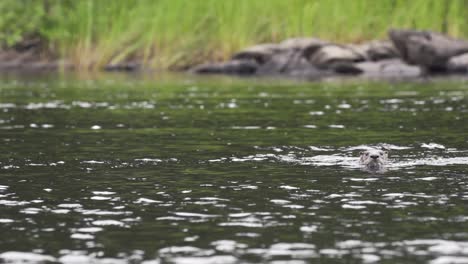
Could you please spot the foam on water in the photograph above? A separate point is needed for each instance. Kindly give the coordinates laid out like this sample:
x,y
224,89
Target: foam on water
x,y
343,158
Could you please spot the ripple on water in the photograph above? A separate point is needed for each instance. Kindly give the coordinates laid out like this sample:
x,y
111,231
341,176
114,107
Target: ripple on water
x,y
449,260
7,105
31,210
309,228
282,250
314,148
82,236
149,160
205,260
246,127
147,201
100,198
185,250
352,162
102,212
70,205
103,192
196,216
89,229
60,211
251,224
190,254
280,201
228,246
25,257
287,187
432,146
93,162
108,222
13,203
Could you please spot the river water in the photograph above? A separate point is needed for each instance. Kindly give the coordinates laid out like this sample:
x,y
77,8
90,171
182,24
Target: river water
x,y
133,169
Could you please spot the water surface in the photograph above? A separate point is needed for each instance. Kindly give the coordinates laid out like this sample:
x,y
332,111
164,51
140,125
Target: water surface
x,y
129,169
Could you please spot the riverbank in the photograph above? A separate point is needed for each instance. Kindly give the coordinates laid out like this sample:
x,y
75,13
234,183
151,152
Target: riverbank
x,y
177,34
407,54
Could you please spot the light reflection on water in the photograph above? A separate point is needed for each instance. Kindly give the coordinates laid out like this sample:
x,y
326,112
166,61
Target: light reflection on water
x,y
136,172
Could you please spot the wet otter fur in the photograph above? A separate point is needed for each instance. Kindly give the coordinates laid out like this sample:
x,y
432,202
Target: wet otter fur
x,y
374,159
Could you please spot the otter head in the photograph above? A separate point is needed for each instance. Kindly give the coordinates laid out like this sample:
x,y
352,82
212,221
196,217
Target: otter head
x,y
374,159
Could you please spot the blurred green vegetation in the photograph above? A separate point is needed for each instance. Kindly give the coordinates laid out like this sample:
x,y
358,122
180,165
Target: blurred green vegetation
x,y
175,33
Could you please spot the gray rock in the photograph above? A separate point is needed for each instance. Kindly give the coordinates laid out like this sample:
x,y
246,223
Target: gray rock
x,y
259,53
369,67
458,64
307,46
277,64
238,67
388,68
397,68
346,68
329,55
376,50
289,63
430,50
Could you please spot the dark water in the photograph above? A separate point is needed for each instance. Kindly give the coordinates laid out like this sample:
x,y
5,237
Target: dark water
x,y
126,170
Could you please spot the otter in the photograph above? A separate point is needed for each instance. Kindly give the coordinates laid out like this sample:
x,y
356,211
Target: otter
x,y
374,159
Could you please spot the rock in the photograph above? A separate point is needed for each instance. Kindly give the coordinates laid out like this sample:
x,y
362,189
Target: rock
x,y
388,68
369,67
458,64
306,45
238,67
398,68
259,53
430,50
346,68
290,63
278,63
376,50
329,55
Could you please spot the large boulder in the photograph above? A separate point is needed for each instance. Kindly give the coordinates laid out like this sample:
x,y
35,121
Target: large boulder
x,y
394,68
306,46
430,50
289,63
259,53
346,68
458,64
328,56
376,50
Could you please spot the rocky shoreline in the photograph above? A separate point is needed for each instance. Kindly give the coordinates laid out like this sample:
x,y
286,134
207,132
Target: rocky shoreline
x,y
407,53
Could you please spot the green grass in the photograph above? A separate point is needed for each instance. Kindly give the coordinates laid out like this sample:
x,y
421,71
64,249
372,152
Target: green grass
x,y
176,33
